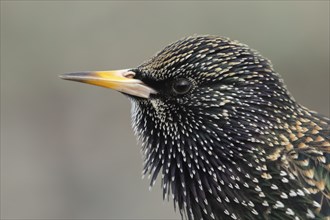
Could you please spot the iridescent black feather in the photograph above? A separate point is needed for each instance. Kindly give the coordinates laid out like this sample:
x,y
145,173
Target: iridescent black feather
x,y
236,145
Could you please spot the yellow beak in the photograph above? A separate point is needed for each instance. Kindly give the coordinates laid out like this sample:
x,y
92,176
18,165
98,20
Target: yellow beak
x,y
120,80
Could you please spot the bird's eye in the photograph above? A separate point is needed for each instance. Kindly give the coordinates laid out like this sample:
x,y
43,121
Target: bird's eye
x,y
181,86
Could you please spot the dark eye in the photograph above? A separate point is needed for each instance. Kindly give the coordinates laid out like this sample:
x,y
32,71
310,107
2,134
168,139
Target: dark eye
x,y
181,86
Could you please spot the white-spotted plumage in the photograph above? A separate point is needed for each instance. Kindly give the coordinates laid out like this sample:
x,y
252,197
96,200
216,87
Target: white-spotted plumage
x,y
236,145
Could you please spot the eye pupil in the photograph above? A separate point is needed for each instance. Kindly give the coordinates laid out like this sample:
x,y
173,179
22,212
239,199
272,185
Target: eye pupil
x,y
181,86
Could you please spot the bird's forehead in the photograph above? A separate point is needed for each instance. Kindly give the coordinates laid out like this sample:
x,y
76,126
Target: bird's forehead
x,y
198,55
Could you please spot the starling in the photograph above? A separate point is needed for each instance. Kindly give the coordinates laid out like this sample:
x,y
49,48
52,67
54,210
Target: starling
x,y
217,123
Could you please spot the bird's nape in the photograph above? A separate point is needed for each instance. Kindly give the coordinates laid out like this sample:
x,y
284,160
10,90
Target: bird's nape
x,y
230,142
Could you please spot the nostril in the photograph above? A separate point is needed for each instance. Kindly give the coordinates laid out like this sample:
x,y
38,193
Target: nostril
x,y
129,74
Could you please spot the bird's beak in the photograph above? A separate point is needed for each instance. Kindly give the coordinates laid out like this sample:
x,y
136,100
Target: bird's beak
x,y
120,80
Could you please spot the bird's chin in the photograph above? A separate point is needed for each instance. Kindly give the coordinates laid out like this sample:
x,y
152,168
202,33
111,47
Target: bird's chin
x,y
134,98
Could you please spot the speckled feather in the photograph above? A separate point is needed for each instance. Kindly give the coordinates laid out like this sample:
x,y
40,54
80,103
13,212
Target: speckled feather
x,y
237,145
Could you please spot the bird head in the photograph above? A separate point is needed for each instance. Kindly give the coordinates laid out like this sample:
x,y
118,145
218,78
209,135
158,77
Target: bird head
x,y
199,107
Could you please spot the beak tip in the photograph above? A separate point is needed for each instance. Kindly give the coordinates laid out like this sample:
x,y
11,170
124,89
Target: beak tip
x,y
66,76
73,76
62,76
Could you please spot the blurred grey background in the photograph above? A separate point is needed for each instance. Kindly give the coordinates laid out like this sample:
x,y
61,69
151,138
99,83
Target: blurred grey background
x,y
67,149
